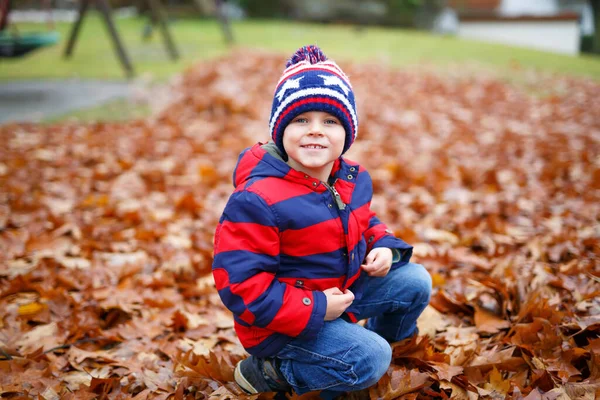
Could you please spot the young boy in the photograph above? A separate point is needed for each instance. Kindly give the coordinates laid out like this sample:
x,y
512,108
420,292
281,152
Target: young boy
x,y
299,255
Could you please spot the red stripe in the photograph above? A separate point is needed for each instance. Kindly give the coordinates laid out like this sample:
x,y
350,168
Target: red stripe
x,y
315,284
222,281
352,317
352,279
292,317
363,214
336,166
246,165
251,336
358,225
252,287
247,317
314,100
343,78
289,70
309,240
345,189
294,67
278,189
221,278
333,65
300,178
352,163
351,241
377,231
248,236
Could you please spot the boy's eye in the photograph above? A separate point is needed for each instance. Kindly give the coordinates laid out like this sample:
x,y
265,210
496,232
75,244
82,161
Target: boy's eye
x,y
331,121
300,119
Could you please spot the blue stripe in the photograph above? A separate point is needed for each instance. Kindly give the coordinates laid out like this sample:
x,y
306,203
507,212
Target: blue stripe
x,y
316,266
270,346
234,302
303,211
269,167
241,264
362,191
248,207
374,221
267,305
239,321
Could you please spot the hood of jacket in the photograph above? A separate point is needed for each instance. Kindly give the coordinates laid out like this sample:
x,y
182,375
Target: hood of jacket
x,y
265,161
259,161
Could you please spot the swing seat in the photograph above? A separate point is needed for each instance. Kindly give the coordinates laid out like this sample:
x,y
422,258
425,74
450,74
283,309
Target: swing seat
x,y
12,45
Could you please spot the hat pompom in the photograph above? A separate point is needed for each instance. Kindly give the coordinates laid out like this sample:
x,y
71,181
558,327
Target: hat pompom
x,y
312,54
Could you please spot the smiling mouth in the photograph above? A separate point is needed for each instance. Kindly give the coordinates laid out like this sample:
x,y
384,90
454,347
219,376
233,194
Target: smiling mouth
x,y
313,146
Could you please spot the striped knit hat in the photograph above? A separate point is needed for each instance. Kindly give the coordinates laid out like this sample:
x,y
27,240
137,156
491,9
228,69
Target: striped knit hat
x,y
311,82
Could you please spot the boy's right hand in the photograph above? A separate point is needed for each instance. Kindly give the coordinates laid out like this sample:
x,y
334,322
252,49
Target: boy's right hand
x,y
337,302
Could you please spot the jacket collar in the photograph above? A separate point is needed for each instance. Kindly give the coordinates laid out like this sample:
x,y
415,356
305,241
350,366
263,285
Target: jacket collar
x,y
265,160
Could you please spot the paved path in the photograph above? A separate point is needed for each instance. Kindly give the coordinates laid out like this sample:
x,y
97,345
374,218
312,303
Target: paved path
x,y
36,100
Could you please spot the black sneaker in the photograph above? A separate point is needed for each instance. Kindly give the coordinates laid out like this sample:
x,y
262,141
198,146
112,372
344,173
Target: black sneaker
x,y
257,375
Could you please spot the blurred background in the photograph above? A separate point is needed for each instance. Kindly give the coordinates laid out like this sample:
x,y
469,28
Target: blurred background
x,y
101,59
479,126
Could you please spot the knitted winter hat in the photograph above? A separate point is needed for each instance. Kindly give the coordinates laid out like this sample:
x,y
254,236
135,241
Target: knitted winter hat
x,y
311,82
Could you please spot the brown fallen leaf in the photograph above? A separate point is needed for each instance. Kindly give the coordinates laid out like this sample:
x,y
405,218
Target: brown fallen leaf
x,y
487,322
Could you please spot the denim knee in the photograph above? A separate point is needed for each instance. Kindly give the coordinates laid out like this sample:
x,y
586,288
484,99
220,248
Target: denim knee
x,y
421,284
371,358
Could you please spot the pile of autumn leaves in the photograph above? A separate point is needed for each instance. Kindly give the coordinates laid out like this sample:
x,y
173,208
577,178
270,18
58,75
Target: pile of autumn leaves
x,y
106,236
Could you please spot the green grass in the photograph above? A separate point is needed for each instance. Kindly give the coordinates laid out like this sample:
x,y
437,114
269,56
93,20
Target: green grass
x,y
113,111
202,39
94,56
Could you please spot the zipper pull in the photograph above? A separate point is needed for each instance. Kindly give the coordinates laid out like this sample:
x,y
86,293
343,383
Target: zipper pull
x,y
338,199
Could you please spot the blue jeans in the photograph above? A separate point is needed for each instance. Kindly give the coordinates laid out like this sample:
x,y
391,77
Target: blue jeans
x,y
345,356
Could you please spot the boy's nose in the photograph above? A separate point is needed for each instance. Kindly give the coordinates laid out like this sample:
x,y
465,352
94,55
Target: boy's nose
x,y
315,128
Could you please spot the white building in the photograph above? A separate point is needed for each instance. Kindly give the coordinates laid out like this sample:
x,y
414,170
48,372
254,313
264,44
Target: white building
x,y
548,25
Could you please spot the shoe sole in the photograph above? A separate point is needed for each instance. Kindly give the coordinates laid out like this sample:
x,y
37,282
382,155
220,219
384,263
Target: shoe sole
x,y
242,381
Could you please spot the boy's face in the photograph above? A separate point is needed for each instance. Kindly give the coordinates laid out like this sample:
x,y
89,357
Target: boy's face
x,y
313,141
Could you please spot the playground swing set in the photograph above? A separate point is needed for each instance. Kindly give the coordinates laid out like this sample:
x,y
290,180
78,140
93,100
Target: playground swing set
x,y
17,44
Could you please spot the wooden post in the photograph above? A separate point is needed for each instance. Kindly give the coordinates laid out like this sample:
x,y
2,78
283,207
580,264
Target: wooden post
x,y
596,14
105,10
224,22
158,15
83,7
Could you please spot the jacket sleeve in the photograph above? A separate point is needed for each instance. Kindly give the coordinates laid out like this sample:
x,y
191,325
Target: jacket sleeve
x,y
378,235
246,259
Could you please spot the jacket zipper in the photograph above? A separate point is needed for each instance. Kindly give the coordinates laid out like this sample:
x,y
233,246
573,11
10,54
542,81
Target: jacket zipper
x,y
336,195
341,206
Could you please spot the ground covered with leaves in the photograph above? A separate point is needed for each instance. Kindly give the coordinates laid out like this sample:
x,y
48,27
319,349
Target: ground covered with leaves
x,y
106,236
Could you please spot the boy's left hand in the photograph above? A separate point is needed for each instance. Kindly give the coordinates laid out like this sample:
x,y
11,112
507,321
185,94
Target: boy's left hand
x,y
378,262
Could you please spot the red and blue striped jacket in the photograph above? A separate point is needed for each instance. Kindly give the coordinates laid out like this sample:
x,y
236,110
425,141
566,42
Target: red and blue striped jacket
x,y
284,237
